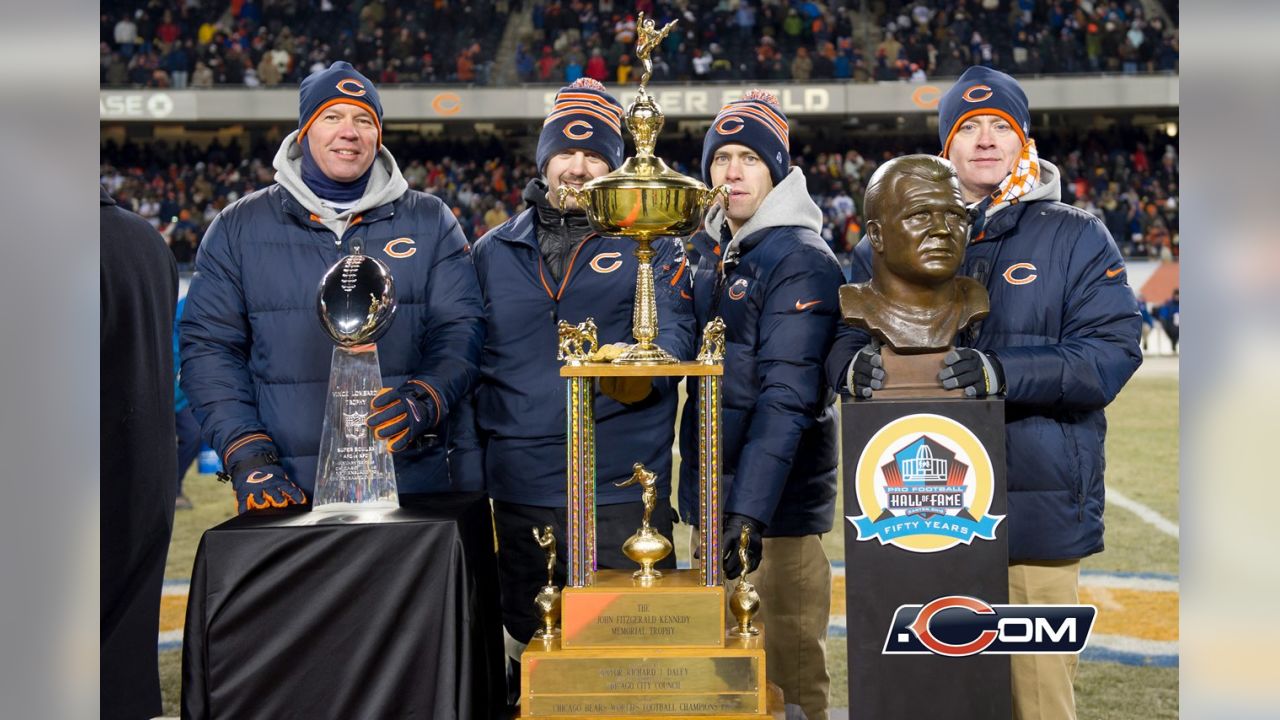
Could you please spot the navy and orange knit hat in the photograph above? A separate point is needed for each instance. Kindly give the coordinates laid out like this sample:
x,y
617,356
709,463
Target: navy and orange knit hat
x,y
340,83
756,121
584,117
982,91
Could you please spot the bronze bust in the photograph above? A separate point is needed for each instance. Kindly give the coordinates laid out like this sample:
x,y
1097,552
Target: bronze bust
x,y
918,227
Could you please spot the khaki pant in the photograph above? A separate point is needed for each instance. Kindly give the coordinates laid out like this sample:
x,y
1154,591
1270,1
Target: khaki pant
x,y
794,582
1042,684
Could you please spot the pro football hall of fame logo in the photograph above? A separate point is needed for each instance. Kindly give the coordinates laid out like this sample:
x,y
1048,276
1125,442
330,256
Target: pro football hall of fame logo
x,y
925,484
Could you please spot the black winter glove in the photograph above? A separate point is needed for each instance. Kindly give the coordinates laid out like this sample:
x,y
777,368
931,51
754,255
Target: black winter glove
x,y
866,372
977,372
258,479
733,524
402,417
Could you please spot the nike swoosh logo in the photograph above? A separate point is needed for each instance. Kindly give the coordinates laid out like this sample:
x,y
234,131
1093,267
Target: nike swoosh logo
x,y
805,306
1117,271
255,479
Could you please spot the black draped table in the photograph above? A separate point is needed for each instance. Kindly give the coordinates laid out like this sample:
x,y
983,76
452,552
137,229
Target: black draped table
x,y
389,614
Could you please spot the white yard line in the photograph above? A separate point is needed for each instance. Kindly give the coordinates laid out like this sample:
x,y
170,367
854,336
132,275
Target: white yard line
x,y
1146,514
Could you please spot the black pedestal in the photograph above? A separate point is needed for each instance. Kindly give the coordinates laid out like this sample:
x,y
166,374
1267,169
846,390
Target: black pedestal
x,y
301,615
911,457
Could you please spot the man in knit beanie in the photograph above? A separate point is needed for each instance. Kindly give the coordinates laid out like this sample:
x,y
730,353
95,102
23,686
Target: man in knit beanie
x,y
255,362
540,267
767,272
1059,344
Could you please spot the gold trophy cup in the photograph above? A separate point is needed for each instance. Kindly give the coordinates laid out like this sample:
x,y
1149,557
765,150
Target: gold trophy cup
x,y
642,200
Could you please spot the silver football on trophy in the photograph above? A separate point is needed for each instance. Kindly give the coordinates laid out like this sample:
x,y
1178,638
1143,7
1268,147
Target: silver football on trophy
x,y
356,300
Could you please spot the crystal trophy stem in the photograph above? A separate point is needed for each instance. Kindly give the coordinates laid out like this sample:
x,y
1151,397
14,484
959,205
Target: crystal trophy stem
x,y
354,468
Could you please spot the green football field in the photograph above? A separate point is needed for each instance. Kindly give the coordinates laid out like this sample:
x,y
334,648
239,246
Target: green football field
x,y
1130,670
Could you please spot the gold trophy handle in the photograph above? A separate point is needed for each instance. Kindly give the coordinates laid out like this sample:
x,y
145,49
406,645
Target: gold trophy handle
x,y
564,192
710,196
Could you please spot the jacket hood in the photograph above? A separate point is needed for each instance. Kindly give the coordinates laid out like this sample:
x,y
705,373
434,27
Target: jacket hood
x,y
386,185
788,205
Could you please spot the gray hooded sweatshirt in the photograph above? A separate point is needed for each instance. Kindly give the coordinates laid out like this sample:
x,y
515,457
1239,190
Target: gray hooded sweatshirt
x,y
788,205
386,185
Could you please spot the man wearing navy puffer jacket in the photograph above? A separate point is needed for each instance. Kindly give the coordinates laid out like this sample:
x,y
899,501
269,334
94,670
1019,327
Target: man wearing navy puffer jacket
x,y
767,272
255,361
540,267
1059,344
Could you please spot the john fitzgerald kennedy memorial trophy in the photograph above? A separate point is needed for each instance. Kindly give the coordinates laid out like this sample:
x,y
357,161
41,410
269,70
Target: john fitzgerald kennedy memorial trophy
x,y
642,642
356,302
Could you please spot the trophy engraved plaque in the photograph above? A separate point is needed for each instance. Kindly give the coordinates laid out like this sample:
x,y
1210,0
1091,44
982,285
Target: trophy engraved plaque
x,y
356,303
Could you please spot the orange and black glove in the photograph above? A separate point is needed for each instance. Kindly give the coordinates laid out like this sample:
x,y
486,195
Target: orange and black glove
x,y
403,417
253,467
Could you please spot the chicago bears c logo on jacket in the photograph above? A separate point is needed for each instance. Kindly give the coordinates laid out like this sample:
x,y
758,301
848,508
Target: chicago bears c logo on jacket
x,y
738,289
606,262
977,93
570,130
350,86
394,248
1014,277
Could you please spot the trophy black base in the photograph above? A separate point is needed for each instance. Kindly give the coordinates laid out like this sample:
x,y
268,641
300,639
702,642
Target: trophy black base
x,y
906,453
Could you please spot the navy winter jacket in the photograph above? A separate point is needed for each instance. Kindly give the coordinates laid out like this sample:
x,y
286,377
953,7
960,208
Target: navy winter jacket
x,y
1065,325
254,357
780,307
517,442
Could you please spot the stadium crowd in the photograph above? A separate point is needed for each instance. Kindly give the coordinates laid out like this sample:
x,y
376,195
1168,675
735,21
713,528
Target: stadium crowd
x,y
1129,179
181,43
802,41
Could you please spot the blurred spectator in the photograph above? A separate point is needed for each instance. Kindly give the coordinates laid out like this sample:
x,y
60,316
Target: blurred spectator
x,y
1147,320
1167,314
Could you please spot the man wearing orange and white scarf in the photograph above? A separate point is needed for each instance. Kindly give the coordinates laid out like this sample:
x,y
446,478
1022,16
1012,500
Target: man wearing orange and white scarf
x,y
1062,338
1059,344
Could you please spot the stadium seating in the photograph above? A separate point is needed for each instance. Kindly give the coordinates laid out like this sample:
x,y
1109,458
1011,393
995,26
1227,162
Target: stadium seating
x,y
166,43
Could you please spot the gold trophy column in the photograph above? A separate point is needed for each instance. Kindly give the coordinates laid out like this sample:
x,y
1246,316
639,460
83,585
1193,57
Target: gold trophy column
x,y
709,508
644,318
577,342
